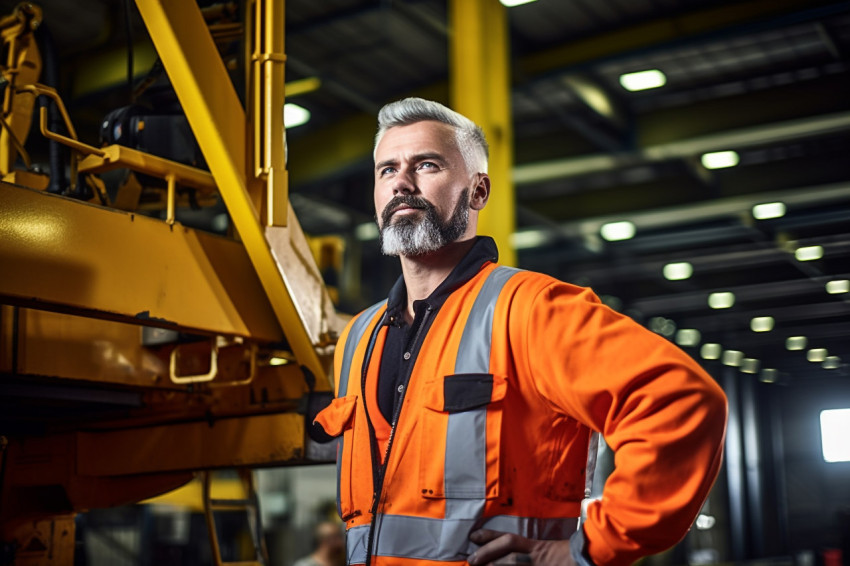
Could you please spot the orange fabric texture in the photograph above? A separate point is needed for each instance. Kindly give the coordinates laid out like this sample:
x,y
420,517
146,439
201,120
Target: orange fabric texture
x,y
562,364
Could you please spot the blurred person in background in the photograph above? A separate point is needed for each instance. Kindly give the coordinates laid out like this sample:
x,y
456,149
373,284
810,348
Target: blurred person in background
x,y
328,544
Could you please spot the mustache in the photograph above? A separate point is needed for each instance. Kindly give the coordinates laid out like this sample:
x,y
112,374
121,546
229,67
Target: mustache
x,y
406,200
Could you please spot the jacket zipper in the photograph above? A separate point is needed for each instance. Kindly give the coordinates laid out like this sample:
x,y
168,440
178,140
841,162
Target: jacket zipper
x,y
378,478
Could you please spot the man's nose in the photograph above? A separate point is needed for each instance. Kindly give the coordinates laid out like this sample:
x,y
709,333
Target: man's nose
x,y
403,183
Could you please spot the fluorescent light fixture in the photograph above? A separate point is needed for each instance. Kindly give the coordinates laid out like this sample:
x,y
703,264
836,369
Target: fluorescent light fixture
x,y
762,324
276,361
816,355
769,375
678,271
663,326
793,343
769,210
808,253
642,80
732,358
616,231
831,362
294,115
834,424
721,300
512,3
710,351
838,286
688,337
720,159
526,239
366,231
750,365
704,522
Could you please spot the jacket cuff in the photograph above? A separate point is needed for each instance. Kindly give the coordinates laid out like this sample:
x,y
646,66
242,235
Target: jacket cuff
x,y
578,549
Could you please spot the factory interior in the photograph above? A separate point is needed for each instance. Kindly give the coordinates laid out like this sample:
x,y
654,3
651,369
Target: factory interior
x,y
187,223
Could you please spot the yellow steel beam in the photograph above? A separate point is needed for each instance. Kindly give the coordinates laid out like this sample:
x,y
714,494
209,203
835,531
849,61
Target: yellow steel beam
x,y
218,120
245,441
480,89
57,253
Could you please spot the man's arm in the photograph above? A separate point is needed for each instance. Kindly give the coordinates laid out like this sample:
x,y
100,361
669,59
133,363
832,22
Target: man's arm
x,y
663,416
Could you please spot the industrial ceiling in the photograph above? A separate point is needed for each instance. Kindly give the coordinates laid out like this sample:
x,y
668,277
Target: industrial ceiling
x,y
766,79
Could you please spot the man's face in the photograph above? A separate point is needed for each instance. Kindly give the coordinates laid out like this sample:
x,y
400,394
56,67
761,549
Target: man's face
x,y
422,189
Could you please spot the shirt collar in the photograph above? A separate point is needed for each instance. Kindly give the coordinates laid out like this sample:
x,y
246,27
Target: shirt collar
x,y
482,251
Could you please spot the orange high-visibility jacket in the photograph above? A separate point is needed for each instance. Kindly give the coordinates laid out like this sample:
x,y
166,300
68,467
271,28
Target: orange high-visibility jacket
x,y
493,431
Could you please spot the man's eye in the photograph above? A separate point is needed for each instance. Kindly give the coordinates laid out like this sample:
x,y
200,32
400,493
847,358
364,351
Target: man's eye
x,y
387,171
427,165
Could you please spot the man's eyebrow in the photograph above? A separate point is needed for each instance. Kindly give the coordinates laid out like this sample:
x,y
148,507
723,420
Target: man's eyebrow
x,y
385,163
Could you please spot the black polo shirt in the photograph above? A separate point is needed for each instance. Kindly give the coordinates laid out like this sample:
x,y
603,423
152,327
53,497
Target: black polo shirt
x,y
403,340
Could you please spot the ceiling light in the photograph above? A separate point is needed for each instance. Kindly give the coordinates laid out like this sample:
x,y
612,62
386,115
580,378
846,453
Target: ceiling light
x,y
722,300
366,231
769,375
816,355
616,231
720,159
732,358
642,80
762,324
831,362
769,210
276,361
750,365
710,351
838,286
512,3
795,343
678,271
294,115
529,239
808,253
688,337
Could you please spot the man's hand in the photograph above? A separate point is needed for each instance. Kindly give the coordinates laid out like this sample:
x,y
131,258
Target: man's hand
x,y
496,545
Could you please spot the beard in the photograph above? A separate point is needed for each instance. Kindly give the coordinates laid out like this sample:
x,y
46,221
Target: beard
x,y
420,234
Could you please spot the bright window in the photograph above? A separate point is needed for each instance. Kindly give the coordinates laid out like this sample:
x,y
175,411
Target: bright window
x,y
835,434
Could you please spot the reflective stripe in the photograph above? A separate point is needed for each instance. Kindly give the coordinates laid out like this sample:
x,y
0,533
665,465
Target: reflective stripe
x,y
443,539
356,539
466,434
355,335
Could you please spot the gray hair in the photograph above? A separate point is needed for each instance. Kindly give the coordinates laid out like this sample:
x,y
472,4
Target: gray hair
x,y
470,137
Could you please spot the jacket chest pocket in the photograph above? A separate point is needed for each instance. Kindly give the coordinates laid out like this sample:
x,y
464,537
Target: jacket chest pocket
x,y
339,420
460,437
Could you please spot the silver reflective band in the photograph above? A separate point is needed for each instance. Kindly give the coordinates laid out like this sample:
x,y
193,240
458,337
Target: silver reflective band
x,y
355,335
465,469
445,540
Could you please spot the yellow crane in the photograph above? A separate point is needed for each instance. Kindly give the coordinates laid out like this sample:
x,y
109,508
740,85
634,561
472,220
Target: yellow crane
x,y
136,351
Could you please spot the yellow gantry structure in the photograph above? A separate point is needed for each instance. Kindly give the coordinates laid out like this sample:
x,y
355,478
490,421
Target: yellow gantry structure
x,y
251,177
479,83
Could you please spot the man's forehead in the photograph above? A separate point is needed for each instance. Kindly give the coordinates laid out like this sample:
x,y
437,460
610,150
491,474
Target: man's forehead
x,y
416,136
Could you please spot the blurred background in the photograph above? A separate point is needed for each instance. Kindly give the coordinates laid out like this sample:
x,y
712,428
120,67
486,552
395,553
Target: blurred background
x,y
687,159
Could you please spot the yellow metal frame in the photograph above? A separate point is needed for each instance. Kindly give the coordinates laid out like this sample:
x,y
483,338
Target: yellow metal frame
x,y
480,90
218,120
75,257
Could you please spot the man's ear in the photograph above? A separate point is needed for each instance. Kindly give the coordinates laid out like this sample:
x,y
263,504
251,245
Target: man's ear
x,y
480,192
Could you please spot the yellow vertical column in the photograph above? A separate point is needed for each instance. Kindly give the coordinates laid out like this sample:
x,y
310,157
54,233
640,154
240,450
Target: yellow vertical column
x,y
479,82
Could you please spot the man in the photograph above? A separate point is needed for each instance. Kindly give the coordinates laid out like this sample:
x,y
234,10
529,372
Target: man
x,y
328,546
466,401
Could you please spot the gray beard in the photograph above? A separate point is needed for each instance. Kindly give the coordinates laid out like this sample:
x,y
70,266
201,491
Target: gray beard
x,y
425,233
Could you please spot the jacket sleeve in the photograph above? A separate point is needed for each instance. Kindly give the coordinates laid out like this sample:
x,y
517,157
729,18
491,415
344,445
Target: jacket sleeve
x,y
663,416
